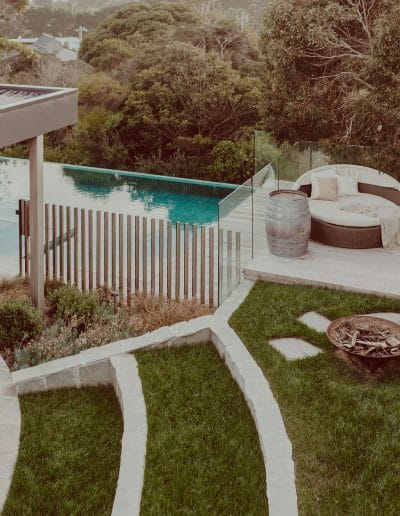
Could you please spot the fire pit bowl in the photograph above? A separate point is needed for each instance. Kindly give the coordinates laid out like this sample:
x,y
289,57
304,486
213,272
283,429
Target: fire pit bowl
x,y
371,340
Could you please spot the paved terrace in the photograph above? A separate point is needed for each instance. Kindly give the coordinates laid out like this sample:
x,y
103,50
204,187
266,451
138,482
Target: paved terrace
x,y
374,271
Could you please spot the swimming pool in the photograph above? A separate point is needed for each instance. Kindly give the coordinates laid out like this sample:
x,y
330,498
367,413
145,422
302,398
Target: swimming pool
x,y
170,198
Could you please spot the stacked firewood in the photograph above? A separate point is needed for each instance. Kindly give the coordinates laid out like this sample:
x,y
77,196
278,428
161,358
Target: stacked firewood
x,y
373,342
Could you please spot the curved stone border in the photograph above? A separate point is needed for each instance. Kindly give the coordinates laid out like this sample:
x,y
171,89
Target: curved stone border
x,y
10,428
94,366
121,371
275,443
128,387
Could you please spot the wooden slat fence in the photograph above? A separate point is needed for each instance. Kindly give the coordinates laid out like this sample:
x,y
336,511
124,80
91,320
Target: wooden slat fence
x,y
131,254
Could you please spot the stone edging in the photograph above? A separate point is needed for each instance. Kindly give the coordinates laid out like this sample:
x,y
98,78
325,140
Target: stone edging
x,y
93,367
274,441
121,371
128,387
10,428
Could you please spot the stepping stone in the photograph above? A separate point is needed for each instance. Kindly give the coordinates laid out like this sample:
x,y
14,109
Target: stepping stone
x,y
293,349
389,316
315,321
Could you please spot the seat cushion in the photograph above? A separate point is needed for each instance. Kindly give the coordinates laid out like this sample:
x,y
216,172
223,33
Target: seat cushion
x,y
328,211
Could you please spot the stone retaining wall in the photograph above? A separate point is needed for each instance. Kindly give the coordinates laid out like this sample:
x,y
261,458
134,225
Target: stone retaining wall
x,y
10,428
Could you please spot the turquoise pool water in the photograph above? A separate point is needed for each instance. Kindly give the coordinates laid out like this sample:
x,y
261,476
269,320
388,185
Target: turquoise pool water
x,y
194,202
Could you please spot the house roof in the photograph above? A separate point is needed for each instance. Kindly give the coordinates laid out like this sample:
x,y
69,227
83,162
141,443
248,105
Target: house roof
x,y
29,111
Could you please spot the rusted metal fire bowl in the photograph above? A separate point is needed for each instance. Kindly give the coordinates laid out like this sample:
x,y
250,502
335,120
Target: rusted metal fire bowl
x,y
365,355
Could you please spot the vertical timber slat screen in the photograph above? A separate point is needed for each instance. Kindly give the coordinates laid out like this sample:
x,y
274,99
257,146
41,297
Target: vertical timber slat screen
x,y
133,254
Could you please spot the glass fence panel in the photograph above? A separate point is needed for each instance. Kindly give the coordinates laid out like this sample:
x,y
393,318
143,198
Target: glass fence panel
x,y
235,219
265,150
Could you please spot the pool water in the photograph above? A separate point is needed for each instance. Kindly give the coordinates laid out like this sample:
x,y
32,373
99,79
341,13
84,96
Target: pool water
x,y
186,201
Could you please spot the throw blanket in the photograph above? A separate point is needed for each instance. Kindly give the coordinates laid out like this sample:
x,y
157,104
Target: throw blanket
x,y
389,219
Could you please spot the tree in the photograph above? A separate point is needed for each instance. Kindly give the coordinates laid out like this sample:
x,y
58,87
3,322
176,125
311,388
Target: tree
x,y
109,53
186,95
136,25
99,89
14,59
332,72
139,26
95,140
9,15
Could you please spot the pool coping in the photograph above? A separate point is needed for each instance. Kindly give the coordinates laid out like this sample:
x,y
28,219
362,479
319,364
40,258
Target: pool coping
x,y
129,173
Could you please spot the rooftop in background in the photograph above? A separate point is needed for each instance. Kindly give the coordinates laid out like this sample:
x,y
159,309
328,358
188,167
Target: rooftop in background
x,y
30,111
65,49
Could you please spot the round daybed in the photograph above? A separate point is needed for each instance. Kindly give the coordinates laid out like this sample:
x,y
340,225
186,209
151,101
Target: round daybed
x,y
332,226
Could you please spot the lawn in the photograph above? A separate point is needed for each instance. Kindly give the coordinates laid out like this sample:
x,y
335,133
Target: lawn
x,y
68,461
203,454
344,427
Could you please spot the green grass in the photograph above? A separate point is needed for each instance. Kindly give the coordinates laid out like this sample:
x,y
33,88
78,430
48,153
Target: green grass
x,y
203,454
69,455
345,428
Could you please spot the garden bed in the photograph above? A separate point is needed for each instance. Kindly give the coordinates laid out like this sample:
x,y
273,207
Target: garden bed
x,y
76,320
344,426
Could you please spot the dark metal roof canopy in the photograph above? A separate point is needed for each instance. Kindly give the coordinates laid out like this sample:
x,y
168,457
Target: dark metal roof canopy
x,y
30,111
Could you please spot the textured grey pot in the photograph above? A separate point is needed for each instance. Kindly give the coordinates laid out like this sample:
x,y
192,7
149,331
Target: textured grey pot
x,y
288,223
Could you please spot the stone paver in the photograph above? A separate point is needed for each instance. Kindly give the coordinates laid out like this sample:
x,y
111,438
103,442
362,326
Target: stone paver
x,y
315,321
294,349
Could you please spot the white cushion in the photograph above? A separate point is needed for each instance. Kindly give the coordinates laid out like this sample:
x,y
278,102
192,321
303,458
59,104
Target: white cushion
x,y
330,212
327,172
347,186
362,174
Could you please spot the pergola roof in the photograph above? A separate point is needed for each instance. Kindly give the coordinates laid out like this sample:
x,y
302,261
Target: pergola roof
x,y
30,111
27,113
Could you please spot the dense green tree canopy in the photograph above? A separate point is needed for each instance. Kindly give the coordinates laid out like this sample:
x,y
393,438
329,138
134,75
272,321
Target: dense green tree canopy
x,y
332,71
141,26
186,94
138,24
160,90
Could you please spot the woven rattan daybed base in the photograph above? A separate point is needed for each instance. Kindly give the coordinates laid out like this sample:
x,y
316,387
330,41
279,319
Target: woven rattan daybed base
x,y
345,236
348,236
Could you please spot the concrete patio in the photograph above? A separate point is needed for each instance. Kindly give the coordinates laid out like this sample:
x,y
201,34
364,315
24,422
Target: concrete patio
x,y
375,271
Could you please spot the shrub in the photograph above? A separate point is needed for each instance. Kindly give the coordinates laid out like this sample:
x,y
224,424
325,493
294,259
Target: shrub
x,y
67,302
19,322
16,288
51,285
